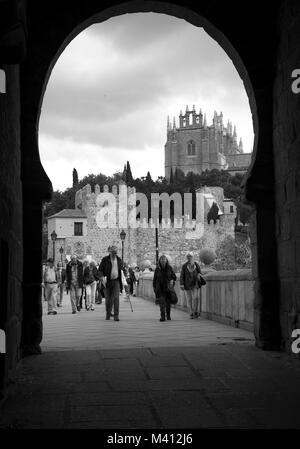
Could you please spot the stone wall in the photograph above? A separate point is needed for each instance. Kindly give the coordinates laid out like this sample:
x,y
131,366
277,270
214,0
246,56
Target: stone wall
x,y
286,138
11,249
227,297
140,242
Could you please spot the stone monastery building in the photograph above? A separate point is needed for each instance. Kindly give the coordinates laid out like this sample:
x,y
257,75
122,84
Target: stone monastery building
x,y
195,147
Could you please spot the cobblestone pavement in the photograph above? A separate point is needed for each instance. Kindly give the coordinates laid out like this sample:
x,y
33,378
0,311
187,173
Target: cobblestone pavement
x,y
139,373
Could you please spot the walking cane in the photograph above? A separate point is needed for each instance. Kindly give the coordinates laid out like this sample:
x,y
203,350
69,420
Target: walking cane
x,y
130,303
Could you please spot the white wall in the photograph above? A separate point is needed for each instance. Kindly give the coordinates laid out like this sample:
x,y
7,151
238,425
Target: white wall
x,y
64,227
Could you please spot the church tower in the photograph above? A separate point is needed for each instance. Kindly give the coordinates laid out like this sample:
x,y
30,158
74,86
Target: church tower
x,y
194,146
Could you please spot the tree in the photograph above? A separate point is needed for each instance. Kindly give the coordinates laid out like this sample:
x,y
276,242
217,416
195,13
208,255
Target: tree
x,y
75,177
129,177
213,213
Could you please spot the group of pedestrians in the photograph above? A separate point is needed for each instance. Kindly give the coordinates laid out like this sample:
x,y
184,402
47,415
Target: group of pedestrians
x,y
190,282
111,277
89,281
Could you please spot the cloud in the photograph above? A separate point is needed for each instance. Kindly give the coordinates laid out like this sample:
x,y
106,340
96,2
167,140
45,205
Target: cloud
x,y
116,82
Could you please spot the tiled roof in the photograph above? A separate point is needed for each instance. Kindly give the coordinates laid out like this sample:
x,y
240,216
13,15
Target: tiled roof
x,y
69,213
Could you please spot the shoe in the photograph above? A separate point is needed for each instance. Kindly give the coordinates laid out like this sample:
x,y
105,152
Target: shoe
x,y
50,313
196,315
169,318
57,305
162,319
191,316
78,308
54,312
74,311
107,317
92,309
116,319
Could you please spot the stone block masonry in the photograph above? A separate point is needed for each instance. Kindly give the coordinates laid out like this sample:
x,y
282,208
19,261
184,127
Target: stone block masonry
x,y
140,242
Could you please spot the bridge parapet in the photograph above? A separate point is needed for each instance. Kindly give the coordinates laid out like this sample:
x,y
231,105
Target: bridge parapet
x,y
227,297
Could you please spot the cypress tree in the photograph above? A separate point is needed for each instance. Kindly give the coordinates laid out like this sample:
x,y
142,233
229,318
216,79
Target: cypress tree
x,y
75,178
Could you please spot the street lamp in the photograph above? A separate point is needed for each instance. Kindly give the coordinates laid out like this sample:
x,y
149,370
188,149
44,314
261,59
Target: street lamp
x,y
53,238
122,237
61,250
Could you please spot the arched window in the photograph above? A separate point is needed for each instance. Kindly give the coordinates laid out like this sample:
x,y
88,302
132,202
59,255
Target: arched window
x,y
191,149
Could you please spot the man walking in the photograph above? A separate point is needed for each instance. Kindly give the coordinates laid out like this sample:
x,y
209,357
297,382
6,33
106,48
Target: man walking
x,y
74,274
50,286
110,274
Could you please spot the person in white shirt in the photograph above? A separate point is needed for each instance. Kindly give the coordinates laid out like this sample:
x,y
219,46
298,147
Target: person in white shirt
x,y
50,285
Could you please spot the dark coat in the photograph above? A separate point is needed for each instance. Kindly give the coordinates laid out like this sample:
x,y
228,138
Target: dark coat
x,y
105,270
161,280
79,273
186,280
86,275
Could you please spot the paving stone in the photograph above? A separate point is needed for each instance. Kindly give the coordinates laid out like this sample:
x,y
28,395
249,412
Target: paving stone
x,y
135,414
107,398
155,360
168,372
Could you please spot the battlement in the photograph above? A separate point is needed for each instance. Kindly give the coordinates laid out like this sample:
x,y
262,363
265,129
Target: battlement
x,y
87,194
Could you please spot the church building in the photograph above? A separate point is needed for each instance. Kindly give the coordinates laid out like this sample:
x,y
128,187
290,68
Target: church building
x,y
195,147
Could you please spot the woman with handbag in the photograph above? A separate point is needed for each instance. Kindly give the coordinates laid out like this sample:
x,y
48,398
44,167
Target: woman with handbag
x,y
90,276
164,278
190,282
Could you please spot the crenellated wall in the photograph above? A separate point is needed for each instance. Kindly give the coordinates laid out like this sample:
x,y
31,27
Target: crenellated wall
x,y
140,242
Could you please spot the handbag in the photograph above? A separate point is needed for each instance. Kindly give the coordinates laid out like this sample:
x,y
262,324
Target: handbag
x,y
172,295
201,280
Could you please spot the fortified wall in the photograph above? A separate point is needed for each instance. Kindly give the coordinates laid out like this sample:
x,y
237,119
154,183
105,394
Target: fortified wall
x,y
139,243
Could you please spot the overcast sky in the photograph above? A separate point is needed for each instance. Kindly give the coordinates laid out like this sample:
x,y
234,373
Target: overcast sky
x,y
111,90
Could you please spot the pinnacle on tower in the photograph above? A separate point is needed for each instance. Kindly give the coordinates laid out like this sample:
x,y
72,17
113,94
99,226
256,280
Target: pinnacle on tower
x,y
234,131
194,108
241,144
168,124
204,123
174,123
187,108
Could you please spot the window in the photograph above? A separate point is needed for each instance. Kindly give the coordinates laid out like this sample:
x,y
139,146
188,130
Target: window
x,y
191,149
78,228
231,209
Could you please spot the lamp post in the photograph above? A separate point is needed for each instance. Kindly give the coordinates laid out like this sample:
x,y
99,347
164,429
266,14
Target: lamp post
x,y
61,250
156,245
122,237
53,238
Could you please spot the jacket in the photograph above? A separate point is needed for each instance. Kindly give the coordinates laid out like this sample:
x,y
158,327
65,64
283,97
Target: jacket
x,y
161,280
186,280
105,271
79,274
89,277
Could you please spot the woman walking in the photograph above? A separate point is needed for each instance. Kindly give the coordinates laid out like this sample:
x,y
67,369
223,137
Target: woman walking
x,y
189,282
164,276
90,277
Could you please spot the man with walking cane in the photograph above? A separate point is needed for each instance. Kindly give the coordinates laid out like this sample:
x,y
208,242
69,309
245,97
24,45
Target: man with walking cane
x,y
110,273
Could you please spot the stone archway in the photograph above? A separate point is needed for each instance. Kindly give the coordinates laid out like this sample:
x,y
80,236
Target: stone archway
x,y
52,26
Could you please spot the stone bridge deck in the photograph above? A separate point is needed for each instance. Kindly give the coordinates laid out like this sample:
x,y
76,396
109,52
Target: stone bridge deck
x,y
139,373
138,329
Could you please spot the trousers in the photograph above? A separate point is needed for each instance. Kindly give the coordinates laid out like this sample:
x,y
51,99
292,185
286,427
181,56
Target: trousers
x,y
112,298
90,291
51,294
192,297
165,306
